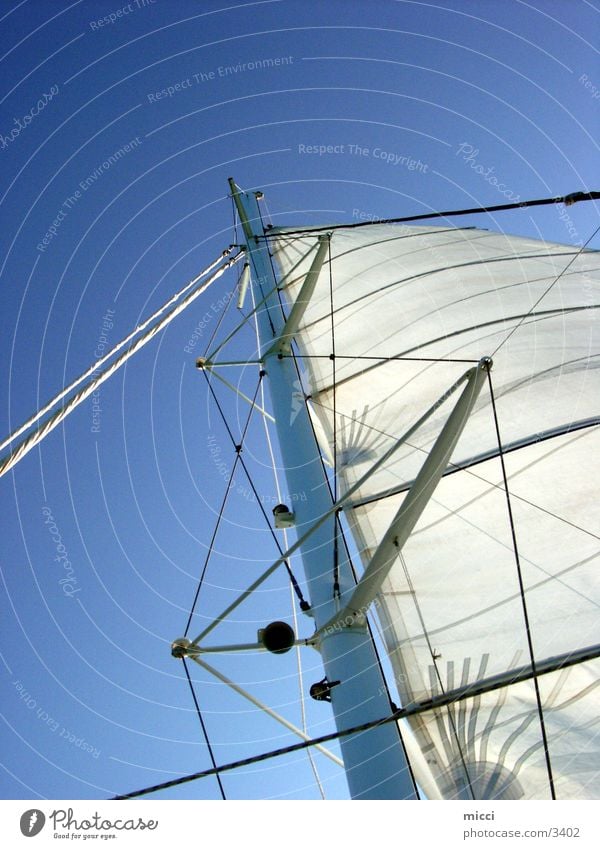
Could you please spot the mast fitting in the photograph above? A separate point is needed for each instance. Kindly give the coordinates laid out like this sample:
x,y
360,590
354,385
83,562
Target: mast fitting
x,y
284,517
321,690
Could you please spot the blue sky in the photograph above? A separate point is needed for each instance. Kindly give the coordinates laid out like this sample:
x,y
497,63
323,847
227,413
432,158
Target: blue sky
x,y
338,111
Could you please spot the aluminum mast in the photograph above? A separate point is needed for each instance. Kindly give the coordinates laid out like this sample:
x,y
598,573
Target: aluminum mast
x,y
375,763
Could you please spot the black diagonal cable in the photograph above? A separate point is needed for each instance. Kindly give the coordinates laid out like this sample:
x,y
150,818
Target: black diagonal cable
x,y
223,503
524,674
574,197
306,356
544,293
522,592
304,605
204,732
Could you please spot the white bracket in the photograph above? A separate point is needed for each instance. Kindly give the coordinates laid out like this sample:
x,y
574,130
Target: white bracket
x,y
412,506
284,342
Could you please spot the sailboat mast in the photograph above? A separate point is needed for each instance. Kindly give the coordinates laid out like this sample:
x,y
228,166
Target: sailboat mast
x,y
374,760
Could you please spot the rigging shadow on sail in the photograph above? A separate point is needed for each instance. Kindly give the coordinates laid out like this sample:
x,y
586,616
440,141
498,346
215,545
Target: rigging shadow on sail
x,y
502,567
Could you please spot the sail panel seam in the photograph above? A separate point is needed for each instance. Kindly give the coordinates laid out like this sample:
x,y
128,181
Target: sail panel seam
x,y
550,287
465,465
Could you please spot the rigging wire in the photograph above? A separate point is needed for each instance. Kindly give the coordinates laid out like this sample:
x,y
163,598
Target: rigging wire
x,y
223,503
336,523
235,218
272,264
384,359
106,357
57,417
298,650
437,671
381,669
568,200
522,593
204,731
543,295
219,322
336,528
494,683
303,603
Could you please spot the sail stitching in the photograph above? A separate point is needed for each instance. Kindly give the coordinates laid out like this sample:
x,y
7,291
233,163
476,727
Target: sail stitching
x,y
484,261
522,593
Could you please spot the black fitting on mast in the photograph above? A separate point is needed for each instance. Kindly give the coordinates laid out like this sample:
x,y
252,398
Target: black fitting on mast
x,y
321,690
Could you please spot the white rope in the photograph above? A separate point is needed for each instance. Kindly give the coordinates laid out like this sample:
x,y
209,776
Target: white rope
x,y
44,429
90,371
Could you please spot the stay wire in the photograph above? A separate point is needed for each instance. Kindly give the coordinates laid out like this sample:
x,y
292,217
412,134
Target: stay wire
x,y
299,373
381,669
225,497
234,215
386,359
437,672
568,200
306,606
562,662
204,731
218,325
303,603
272,264
336,528
543,295
536,685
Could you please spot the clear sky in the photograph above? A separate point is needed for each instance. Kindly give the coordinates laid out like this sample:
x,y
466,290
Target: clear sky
x,y
119,125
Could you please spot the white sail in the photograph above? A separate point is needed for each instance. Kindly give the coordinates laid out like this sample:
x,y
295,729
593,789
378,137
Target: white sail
x,y
406,311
